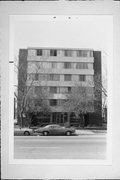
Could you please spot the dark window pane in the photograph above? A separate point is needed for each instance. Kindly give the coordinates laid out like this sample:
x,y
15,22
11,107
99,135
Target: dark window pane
x,y
53,52
39,52
79,53
36,77
53,102
68,53
81,65
53,77
54,65
53,89
69,89
85,53
82,53
67,77
67,65
82,77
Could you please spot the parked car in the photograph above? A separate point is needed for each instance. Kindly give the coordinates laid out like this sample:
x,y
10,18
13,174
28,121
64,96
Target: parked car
x,y
18,131
55,129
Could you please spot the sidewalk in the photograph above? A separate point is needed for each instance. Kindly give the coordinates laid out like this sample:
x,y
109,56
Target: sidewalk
x,y
89,132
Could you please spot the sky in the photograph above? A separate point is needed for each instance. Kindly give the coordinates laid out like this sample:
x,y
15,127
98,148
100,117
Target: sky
x,y
85,31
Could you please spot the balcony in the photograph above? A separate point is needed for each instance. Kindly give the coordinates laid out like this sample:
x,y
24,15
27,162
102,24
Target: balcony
x,y
62,71
60,59
61,83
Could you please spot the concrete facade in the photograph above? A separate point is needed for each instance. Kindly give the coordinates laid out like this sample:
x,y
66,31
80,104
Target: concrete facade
x,y
59,70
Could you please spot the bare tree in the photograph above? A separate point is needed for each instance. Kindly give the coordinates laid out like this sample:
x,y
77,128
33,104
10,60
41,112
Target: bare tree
x,y
100,90
27,101
37,102
79,101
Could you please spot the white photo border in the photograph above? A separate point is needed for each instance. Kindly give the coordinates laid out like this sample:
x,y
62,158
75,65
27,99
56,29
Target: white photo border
x,y
21,169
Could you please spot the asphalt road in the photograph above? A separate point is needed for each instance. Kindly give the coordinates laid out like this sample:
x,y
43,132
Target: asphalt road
x,y
60,147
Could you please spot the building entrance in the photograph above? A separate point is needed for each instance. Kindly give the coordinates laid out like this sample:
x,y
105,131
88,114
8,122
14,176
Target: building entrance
x,y
86,119
59,118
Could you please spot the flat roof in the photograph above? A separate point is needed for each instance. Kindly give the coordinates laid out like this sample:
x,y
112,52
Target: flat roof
x,y
60,48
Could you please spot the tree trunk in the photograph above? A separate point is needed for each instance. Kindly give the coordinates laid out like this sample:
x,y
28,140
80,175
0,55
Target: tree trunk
x,y
21,118
83,120
68,119
50,118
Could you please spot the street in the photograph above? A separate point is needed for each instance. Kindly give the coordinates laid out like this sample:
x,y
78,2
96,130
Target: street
x,y
60,147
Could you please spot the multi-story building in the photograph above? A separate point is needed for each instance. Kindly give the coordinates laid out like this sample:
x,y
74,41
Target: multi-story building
x,y
58,70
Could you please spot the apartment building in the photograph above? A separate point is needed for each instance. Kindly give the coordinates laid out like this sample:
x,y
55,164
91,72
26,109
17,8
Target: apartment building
x,y
58,70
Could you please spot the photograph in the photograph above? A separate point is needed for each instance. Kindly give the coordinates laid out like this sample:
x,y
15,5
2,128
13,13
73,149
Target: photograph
x,y
60,86
60,90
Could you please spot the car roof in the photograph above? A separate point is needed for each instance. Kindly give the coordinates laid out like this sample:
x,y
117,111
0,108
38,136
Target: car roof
x,y
52,125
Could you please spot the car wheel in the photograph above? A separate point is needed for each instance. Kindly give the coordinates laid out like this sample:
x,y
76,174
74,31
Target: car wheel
x,y
68,133
45,133
26,133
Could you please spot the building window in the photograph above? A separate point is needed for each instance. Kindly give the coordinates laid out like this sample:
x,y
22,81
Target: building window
x,y
67,77
79,53
82,77
53,52
29,76
85,53
80,65
39,52
38,90
61,102
53,102
53,65
53,77
91,53
43,77
82,53
69,89
67,65
68,53
53,90
35,77
63,90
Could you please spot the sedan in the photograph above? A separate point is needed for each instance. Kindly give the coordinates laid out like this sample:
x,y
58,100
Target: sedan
x,y
18,131
54,129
